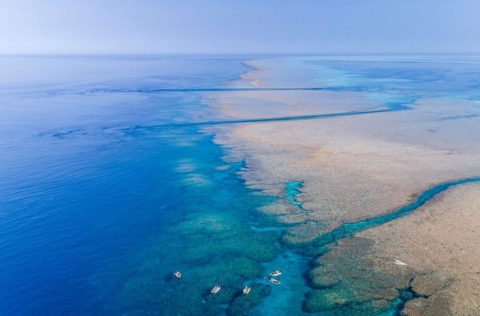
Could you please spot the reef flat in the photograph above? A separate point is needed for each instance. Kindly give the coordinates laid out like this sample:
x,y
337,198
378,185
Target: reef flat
x,y
439,243
353,167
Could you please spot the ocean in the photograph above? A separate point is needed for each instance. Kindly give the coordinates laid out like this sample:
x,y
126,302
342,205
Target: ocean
x,y
96,213
111,179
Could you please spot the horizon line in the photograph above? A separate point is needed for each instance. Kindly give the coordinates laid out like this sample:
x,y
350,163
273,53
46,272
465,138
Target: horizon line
x,y
234,54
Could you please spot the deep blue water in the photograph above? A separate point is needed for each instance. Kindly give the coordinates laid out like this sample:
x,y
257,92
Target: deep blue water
x,y
83,212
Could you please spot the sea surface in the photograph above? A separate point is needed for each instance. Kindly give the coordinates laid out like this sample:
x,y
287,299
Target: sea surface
x,y
96,214
110,180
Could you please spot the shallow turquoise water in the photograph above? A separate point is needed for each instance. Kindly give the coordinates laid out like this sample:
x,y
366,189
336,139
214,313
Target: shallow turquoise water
x,y
348,229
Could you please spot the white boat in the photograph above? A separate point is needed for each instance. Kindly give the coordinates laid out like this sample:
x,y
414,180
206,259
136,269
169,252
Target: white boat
x,y
215,289
276,273
274,281
178,274
246,290
399,263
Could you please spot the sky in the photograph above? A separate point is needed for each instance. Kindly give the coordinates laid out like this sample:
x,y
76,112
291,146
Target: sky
x,y
239,26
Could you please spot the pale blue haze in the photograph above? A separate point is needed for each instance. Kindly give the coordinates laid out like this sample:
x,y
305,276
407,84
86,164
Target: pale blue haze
x,y
214,26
